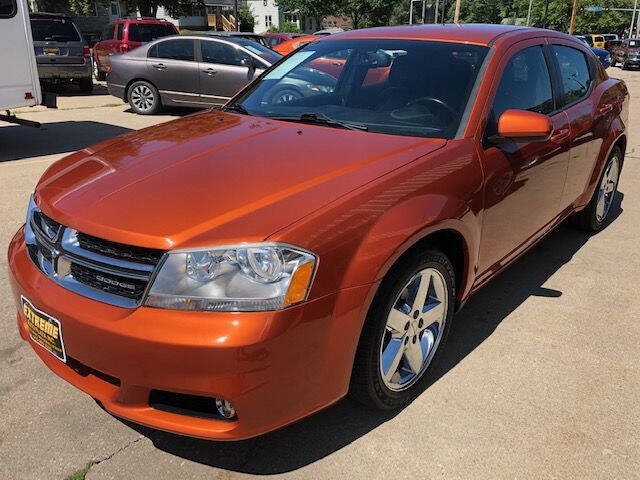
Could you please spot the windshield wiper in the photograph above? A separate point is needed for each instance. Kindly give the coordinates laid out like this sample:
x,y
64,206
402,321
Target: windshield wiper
x,y
322,119
236,107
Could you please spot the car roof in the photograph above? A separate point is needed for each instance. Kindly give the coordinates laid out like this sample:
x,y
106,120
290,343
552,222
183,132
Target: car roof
x,y
141,20
235,34
50,16
477,33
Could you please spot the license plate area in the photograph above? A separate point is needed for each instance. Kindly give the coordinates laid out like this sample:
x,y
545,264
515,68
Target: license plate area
x,y
45,330
51,50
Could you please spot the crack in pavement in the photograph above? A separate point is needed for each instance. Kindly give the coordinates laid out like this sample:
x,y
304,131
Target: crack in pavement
x,y
113,454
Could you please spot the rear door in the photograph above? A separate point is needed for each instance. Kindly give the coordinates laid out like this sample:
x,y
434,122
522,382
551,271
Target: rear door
x,y
172,67
589,113
57,41
224,69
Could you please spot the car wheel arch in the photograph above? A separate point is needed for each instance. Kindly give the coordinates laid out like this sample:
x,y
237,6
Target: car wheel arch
x,y
131,82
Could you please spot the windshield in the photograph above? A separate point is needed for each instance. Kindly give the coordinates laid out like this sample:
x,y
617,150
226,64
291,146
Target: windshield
x,y
397,87
259,49
53,30
147,32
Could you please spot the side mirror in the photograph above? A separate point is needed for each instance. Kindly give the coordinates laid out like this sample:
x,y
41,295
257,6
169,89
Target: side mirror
x,y
249,63
523,126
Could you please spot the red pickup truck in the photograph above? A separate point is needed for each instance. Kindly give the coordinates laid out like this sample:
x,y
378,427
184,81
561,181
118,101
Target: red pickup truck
x,y
123,35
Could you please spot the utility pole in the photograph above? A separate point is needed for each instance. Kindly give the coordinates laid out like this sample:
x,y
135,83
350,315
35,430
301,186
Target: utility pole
x,y
572,24
633,18
529,13
456,16
235,14
435,17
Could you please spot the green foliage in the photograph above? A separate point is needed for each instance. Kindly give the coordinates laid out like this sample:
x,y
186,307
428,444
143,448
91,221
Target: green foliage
x,y
289,27
247,22
311,8
82,473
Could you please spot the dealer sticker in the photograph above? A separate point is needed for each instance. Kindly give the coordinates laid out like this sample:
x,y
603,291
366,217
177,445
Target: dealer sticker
x,y
44,329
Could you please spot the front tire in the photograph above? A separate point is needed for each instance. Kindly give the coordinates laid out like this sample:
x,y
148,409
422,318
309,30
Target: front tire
x,y
144,98
592,218
405,331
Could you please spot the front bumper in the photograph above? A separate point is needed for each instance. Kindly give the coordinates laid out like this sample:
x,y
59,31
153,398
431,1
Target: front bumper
x,y
64,72
275,367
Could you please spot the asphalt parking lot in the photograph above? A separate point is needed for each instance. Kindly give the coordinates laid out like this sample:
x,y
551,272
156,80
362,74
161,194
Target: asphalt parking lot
x,y
541,378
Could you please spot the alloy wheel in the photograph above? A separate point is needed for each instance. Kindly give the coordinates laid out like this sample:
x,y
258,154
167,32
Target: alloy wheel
x,y
607,190
142,97
414,328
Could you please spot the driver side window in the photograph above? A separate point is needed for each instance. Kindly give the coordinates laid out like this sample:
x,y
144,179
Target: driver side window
x,y
525,85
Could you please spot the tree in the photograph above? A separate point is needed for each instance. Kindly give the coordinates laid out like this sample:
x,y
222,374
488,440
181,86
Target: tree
x,y
366,13
311,8
246,19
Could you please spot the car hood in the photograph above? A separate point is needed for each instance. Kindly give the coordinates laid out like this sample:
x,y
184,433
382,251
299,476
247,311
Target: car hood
x,y
215,178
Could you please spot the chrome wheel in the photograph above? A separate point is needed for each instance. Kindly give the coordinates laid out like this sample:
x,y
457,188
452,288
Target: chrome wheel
x,y
414,329
608,187
142,97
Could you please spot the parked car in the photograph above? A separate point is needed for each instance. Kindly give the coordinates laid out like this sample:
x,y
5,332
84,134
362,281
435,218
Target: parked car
x,y
596,40
124,35
612,45
186,70
285,48
231,272
627,54
62,55
329,31
273,39
246,35
610,37
603,55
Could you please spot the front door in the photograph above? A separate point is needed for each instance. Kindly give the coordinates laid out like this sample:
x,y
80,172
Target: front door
x,y
525,180
173,69
224,70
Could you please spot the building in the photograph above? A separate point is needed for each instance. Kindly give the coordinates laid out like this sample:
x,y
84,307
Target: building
x,y
268,14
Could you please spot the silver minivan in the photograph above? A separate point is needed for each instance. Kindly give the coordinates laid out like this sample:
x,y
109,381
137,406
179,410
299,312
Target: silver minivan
x,y
62,54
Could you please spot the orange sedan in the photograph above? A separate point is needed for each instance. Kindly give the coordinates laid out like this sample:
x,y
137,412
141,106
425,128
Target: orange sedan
x,y
228,273
285,48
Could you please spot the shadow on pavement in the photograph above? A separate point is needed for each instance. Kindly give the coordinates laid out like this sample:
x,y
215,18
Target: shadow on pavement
x,y
17,142
320,435
73,90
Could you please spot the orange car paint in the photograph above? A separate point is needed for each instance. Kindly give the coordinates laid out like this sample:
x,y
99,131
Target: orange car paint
x,y
358,200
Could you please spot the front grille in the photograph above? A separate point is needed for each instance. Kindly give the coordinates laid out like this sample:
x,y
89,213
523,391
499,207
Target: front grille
x,y
148,256
100,269
113,284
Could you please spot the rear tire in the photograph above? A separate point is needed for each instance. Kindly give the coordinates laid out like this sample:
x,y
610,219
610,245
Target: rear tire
x,y
86,85
384,373
593,217
144,98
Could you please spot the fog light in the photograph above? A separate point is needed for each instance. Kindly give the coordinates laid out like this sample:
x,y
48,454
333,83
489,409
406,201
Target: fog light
x,y
225,408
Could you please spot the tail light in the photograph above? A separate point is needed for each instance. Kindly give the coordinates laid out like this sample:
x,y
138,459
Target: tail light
x,y
109,68
124,47
86,53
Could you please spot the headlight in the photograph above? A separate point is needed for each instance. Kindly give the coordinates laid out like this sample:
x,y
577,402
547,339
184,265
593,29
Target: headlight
x,y
257,277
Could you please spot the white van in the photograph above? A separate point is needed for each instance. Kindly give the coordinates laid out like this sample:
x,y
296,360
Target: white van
x,y
19,83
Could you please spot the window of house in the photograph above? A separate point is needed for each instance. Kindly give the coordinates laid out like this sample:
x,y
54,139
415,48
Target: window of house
x,y
525,85
173,50
574,72
8,8
267,21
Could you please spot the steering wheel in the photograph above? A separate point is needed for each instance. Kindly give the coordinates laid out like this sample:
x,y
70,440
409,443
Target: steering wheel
x,y
434,101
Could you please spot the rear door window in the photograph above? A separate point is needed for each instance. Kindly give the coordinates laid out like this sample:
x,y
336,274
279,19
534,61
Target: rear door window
x,y
120,34
173,50
8,8
53,30
147,32
574,72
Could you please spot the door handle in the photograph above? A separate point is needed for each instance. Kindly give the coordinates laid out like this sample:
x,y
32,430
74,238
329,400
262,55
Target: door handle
x,y
209,71
159,66
560,135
